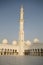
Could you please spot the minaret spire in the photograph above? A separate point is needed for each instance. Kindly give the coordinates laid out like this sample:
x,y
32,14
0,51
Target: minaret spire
x,y
21,12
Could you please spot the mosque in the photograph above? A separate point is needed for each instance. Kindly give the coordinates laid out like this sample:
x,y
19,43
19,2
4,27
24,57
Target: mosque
x,y
21,47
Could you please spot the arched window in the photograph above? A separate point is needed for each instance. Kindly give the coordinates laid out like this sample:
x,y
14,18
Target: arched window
x,y
13,51
38,50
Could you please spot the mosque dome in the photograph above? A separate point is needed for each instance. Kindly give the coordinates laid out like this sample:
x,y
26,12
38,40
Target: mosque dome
x,y
14,42
36,40
5,41
28,43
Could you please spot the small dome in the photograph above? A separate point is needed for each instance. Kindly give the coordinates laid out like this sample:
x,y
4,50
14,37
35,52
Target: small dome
x,y
14,42
28,43
36,40
5,41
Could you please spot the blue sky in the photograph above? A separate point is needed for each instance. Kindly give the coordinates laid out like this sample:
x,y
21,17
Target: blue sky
x,y
9,19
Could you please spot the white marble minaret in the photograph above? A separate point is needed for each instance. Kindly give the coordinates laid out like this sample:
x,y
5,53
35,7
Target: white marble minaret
x,y
21,32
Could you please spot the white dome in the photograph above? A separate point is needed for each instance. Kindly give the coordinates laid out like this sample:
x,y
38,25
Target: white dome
x,y
5,41
28,43
36,40
14,42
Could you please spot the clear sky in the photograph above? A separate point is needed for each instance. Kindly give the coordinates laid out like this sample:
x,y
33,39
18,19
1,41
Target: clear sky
x,y
9,19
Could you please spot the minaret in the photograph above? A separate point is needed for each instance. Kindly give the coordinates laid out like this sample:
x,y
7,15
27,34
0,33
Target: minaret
x,y
21,32
21,24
